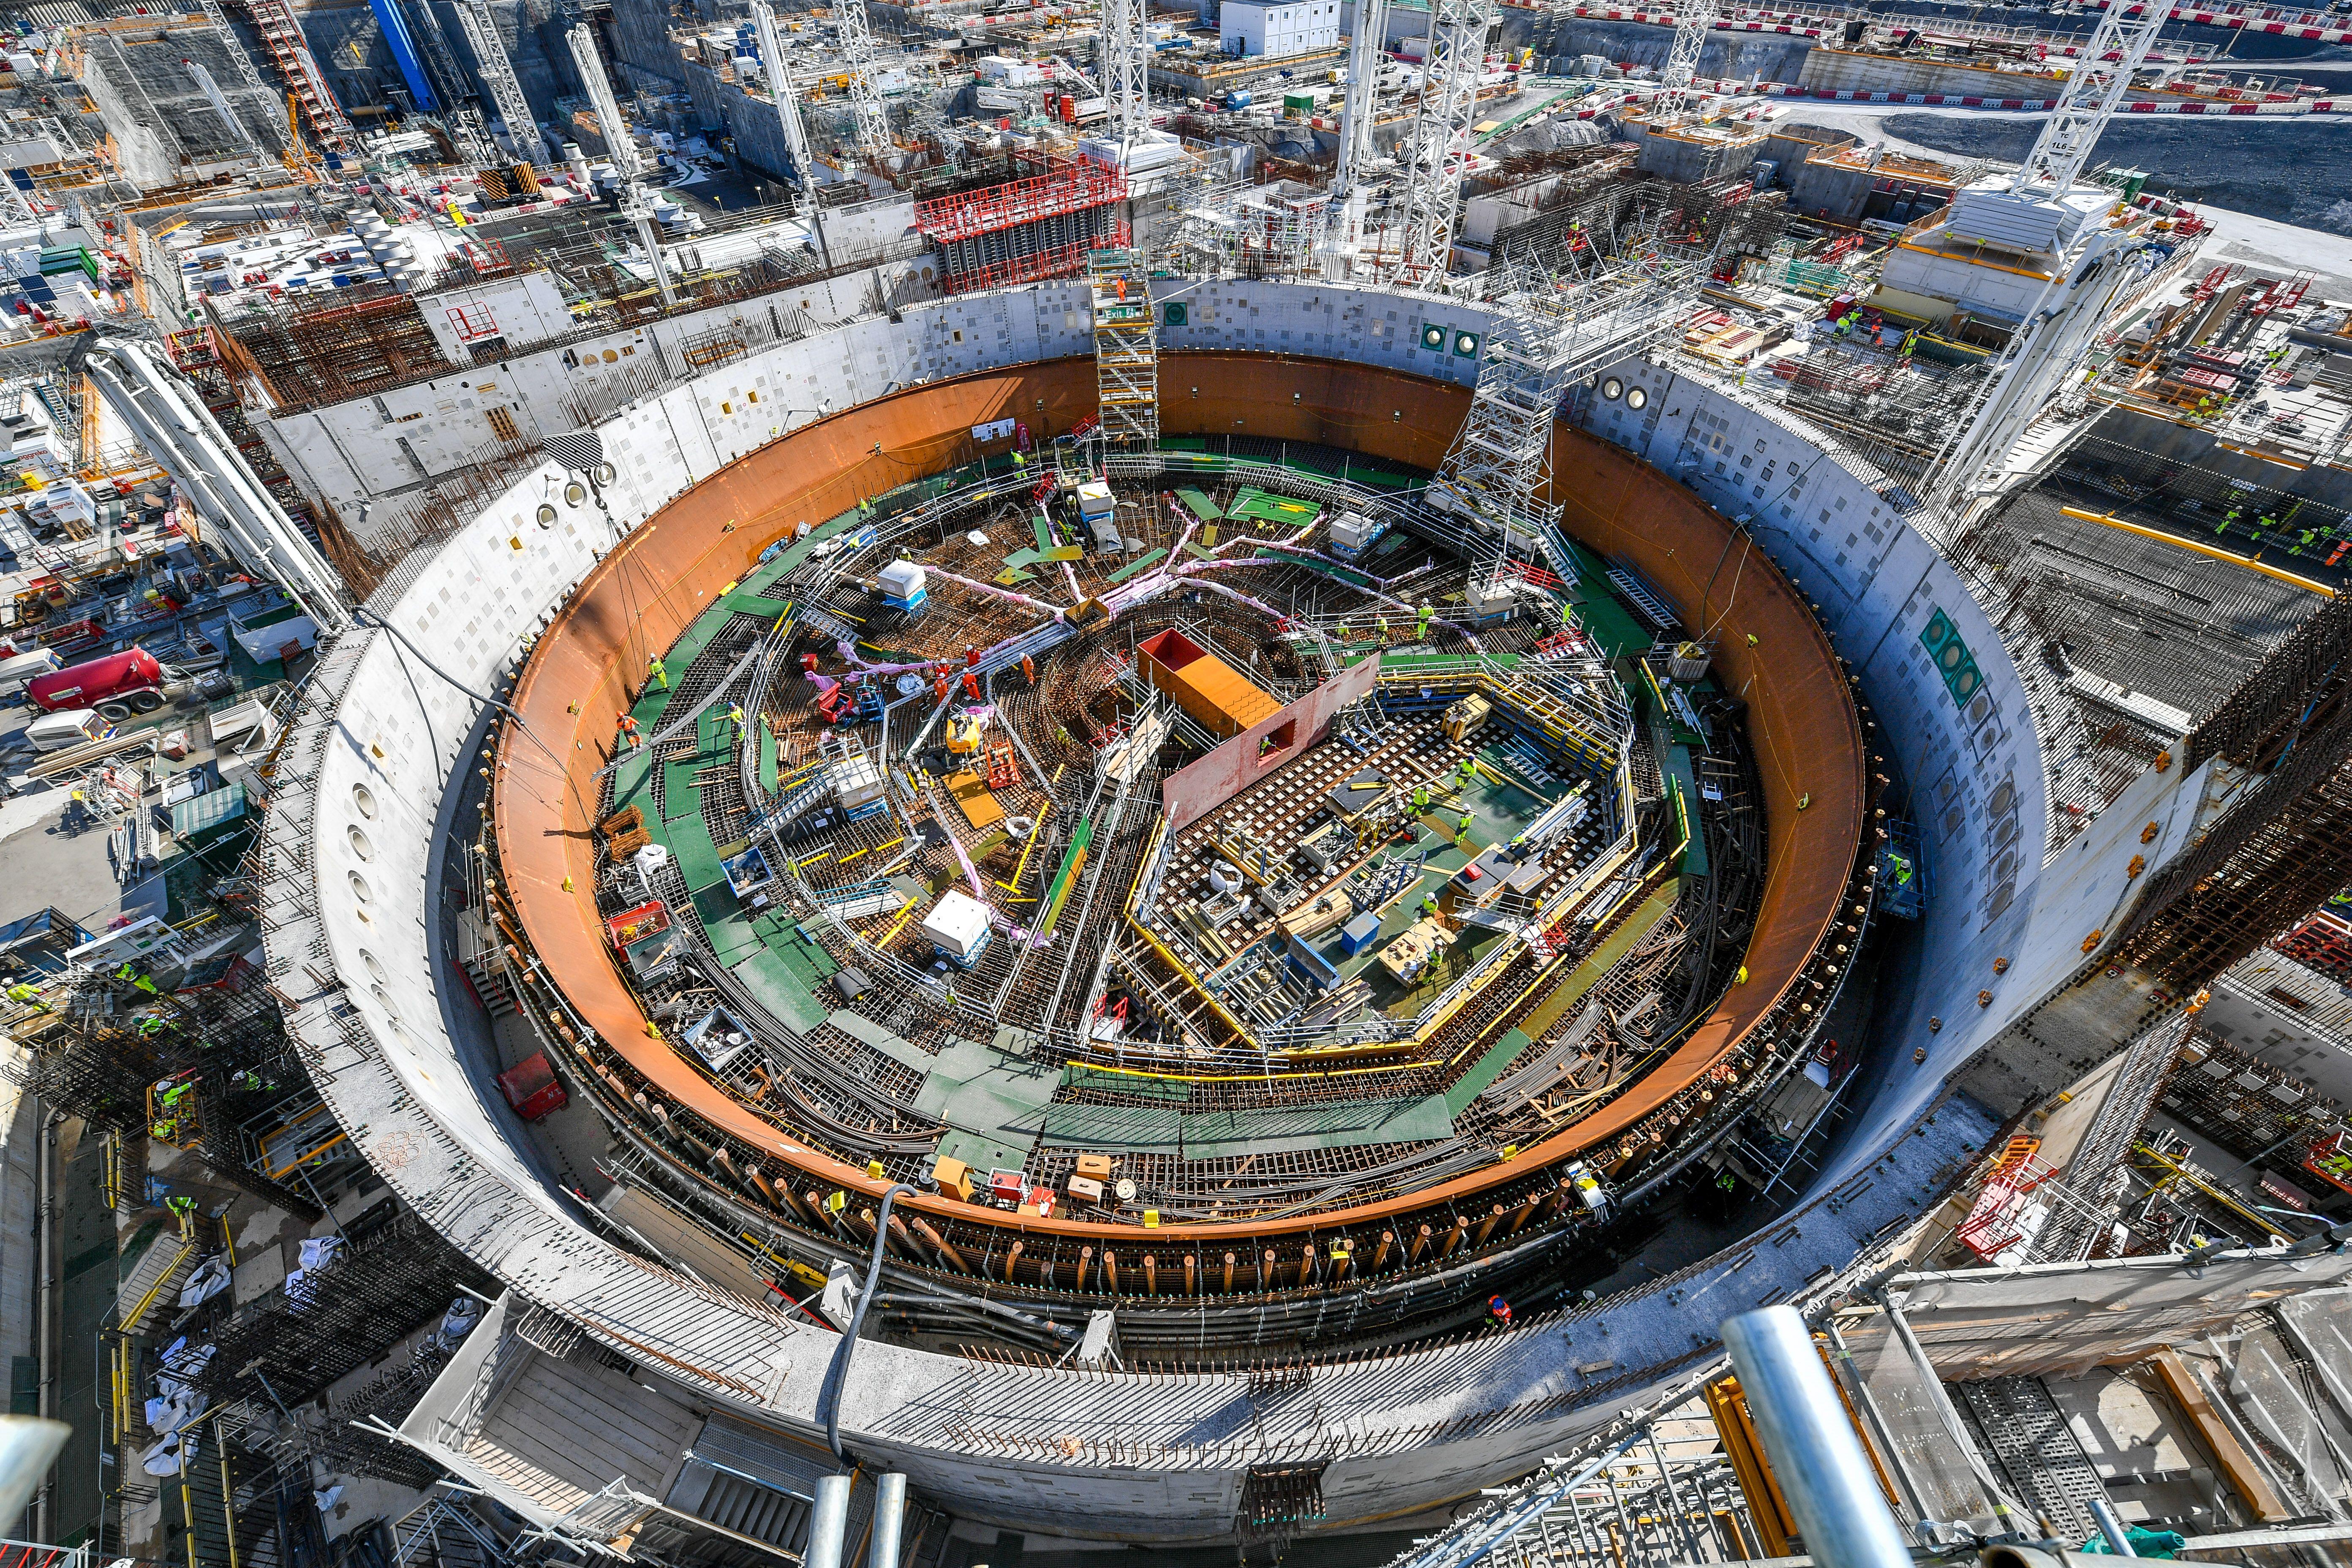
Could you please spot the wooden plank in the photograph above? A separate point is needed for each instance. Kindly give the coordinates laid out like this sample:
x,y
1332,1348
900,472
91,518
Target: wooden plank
x,y
2245,1476
970,792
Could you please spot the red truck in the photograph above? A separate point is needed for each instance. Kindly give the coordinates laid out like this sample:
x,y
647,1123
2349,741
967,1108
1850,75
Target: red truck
x,y
118,686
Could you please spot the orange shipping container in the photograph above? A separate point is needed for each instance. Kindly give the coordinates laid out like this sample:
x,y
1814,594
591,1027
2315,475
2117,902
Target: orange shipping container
x,y
1220,698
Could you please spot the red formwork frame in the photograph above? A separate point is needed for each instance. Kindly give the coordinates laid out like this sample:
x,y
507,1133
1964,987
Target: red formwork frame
x,y
1069,186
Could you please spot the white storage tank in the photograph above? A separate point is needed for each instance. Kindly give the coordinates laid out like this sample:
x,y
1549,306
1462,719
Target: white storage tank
x,y
1094,500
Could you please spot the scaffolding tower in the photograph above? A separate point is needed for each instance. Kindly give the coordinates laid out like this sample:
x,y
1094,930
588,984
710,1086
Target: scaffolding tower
x,y
1561,317
282,36
499,75
1127,347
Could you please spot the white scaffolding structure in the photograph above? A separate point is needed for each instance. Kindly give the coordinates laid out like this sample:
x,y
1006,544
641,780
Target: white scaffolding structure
x,y
1343,219
1664,1494
499,75
1694,20
1557,322
1437,154
865,80
1127,347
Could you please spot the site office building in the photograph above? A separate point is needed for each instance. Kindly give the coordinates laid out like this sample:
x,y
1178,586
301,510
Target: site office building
x,y
1249,28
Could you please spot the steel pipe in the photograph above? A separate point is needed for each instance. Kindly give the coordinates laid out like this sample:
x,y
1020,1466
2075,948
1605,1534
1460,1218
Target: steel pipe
x,y
1815,1454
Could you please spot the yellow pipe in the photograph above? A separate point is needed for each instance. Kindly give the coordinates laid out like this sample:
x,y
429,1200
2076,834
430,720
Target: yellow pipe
x,y
1023,864
2210,1190
904,910
869,849
2250,563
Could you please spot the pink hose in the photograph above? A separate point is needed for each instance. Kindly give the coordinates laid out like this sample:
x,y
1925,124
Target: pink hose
x,y
991,589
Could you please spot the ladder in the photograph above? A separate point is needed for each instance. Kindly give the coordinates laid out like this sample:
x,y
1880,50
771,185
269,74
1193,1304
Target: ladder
x,y
282,36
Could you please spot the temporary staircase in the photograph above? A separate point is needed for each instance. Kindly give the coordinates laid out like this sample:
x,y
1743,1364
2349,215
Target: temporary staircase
x,y
1126,349
155,1283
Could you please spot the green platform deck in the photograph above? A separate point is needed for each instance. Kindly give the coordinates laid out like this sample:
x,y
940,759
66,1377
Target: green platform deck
x,y
1147,1129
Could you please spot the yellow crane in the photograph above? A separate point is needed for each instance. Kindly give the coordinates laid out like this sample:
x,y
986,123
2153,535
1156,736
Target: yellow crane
x,y
298,156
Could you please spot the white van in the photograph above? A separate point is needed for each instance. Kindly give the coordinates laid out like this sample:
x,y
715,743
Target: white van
x,y
74,727
20,668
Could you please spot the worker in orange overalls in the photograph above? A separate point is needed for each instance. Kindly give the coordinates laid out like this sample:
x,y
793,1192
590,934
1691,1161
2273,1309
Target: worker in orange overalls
x,y
628,731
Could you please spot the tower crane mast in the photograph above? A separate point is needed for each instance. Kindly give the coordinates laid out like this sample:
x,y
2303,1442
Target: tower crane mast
x,y
1694,20
1343,217
1436,155
788,114
1993,450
